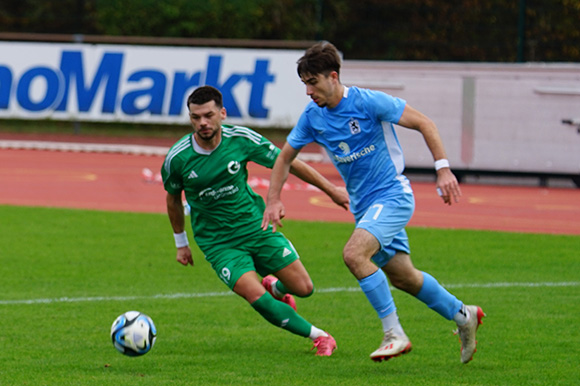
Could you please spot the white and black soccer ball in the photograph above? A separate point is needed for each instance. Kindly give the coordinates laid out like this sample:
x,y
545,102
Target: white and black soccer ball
x,y
133,333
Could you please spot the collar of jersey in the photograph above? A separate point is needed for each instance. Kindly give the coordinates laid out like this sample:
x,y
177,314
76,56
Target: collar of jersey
x,y
199,149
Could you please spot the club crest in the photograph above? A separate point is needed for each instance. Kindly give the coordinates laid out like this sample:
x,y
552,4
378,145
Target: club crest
x,y
354,126
233,167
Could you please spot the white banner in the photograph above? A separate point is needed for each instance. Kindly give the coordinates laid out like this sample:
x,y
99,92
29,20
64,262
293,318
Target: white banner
x,y
146,84
492,116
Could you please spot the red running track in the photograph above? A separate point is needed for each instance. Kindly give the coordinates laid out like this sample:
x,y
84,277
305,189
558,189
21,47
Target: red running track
x,y
115,182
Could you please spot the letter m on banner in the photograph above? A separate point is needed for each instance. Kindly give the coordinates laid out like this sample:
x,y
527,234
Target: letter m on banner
x,y
108,74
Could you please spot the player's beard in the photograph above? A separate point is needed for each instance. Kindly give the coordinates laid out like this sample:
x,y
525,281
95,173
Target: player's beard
x,y
208,136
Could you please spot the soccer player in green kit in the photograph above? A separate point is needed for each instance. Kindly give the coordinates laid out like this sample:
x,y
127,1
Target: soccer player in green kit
x,y
209,165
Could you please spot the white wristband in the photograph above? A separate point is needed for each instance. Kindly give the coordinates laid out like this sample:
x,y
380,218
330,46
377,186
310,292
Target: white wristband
x,y
441,163
181,239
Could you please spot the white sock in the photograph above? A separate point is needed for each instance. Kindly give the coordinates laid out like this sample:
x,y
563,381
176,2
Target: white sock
x,y
316,332
391,321
462,316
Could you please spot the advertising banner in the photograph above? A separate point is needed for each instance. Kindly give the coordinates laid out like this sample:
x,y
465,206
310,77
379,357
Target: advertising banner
x,y
146,84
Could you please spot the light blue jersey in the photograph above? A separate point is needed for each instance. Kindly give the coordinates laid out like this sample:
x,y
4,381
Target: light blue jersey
x,y
360,139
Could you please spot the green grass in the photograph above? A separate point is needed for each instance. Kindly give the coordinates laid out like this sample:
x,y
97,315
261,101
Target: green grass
x,y
91,266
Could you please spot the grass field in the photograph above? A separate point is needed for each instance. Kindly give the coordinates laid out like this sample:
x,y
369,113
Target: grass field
x,y
67,274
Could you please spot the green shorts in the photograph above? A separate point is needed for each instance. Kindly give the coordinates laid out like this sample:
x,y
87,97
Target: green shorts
x,y
264,252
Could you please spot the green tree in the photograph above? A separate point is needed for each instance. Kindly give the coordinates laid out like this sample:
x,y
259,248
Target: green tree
x,y
468,30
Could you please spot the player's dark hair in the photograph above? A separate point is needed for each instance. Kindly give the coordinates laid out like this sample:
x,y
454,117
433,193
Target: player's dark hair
x,y
204,94
321,58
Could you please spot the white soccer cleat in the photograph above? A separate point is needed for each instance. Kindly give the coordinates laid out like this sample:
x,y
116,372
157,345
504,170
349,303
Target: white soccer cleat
x,y
392,346
467,333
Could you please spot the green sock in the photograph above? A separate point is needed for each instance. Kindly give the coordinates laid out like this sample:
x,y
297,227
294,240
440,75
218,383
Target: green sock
x,y
281,315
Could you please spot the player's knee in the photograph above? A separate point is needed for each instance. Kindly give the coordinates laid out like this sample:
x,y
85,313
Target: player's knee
x,y
301,287
307,293
305,290
351,258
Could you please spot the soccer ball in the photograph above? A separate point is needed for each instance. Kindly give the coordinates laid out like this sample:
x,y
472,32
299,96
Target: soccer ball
x,y
133,333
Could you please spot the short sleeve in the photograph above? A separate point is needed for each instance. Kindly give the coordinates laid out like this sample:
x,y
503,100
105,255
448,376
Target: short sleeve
x,y
172,180
386,107
264,153
301,134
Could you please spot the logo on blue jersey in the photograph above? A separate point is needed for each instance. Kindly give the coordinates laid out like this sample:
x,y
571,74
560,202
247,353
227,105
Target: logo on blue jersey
x,y
354,126
354,156
344,147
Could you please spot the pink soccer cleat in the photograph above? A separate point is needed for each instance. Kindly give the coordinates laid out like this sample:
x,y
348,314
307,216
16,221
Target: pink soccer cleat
x,y
324,345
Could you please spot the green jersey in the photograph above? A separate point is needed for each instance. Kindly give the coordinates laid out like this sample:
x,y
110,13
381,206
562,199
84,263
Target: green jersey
x,y
223,206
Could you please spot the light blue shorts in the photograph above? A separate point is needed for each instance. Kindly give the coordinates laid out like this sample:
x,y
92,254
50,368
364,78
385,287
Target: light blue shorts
x,y
386,220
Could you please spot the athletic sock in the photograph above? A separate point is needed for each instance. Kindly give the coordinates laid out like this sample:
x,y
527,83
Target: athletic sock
x,y
282,315
462,316
391,322
377,291
279,289
316,332
438,298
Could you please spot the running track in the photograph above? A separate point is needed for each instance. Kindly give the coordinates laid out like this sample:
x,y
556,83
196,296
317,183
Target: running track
x,y
109,181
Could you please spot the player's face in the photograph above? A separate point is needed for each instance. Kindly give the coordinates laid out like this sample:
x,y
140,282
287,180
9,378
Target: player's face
x,y
206,119
323,90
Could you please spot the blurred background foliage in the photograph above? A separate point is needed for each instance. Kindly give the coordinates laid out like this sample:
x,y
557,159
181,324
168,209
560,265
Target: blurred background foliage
x,y
427,30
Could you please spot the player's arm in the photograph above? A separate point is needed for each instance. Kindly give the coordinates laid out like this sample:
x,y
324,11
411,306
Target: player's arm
x,y
177,219
275,211
447,184
310,175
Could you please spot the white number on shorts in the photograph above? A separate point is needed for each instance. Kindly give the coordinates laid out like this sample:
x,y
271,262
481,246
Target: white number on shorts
x,y
379,208
226,275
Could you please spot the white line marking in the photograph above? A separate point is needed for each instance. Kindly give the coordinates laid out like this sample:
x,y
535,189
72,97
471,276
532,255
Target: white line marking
x,y
473,285
114,298
229,293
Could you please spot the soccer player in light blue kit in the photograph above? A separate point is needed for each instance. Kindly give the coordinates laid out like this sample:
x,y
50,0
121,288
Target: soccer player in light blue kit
x,y
355,126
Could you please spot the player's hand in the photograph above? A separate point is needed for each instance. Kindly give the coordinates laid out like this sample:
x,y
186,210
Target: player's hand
x,y
340,197
447,186
273,213
184,256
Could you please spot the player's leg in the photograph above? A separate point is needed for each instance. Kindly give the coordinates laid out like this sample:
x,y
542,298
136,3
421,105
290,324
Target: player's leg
x,y
281,314
374,232
297,281
294,279
273,253
235,267
376,288
404,276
